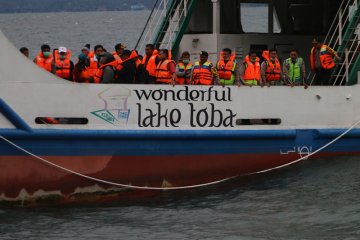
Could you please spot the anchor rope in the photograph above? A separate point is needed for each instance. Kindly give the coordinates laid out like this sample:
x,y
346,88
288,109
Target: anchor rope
x,y
174,188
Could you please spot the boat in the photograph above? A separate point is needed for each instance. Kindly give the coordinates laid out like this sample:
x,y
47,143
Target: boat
x,y
112,141
137,7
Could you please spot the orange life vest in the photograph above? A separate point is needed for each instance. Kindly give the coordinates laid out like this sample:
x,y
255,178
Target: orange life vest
x,y
326,59
83,75
93,67
100,71
273,71
151,64
202,75
252,71
163,75
184,69
225,71
62,66
43,62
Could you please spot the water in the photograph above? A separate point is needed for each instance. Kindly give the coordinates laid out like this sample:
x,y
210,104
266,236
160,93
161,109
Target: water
x,y
311,200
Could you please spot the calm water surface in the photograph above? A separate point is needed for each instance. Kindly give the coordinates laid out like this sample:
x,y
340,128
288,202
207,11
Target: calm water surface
x,y
312,200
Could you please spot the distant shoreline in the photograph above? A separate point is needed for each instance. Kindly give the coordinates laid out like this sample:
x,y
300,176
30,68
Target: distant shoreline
x,y
28,12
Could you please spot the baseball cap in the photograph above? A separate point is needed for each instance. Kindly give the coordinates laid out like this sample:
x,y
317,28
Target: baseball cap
x,y
62,49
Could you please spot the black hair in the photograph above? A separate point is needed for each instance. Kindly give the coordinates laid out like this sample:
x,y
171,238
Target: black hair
x,y
294,50
165,51
87,45
272,50
45,46
119,46
252,52
227,50
185,54
126,52
24,49
99,46
150,46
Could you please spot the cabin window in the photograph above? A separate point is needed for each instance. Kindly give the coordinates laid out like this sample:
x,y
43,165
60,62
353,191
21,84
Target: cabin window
x,y
258,121
61,121
255,18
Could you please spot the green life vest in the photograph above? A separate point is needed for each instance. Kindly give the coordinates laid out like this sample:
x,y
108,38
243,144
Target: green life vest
x,y
294,69
226,72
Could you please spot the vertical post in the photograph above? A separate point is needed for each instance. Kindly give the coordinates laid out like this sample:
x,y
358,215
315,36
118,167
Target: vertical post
x,y
216,16
271,17
340,27
347,65
185,7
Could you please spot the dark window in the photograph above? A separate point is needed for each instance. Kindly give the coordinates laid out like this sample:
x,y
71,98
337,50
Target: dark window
x,y
61,121
259,121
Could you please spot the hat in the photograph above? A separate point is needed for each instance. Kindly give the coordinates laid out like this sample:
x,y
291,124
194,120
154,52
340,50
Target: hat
x,y
62,49
204,53
86,48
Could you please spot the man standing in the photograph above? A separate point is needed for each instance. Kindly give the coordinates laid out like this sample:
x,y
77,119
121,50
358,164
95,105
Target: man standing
x,y
227,68
270,68
119,48
44,59
63,66
322,62
127,72
165,70
150,61
183,69
203,72
294,72
250,70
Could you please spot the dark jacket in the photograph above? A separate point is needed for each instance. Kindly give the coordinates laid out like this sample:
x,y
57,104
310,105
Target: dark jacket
x,y
127,73
140,77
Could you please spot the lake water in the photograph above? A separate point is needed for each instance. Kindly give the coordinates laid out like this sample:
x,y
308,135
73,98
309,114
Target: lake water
x,y
317,199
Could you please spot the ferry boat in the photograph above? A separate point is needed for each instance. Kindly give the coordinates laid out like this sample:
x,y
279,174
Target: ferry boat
x,y
113,140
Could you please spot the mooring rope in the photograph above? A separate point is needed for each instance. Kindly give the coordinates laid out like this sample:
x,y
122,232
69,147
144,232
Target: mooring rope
x,y
174,188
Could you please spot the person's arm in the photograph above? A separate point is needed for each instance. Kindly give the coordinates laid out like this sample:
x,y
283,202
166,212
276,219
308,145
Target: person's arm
x,y
172,69
108,75
71,71
242,72
285,71
303,72
77,73
263,73
157,60
333,53
191,76
237,75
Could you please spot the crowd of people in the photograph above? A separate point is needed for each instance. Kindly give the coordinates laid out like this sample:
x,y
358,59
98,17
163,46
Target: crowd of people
x,y
157,66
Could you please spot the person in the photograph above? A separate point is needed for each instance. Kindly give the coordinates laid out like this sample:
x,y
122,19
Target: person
x,y
81,74
44,59
150,61
322,62
250,70
227,68
119,48
140,77
294,72
270,68
203,72
63,66
183,69
85,50
166,68
128,67
94,58
107,69
25,51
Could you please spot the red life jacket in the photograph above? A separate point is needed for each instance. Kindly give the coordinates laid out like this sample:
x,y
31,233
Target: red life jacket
x,y
150,65
202,75
326,59
100,72
163,75
225,71
273,71
62,66
252,71
43,62
182,68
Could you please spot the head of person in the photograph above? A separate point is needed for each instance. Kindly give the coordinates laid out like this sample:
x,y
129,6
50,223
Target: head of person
x,y
226,54
25,51
294,55
253,56
62,53
164,54
185,57
85,50
273,54
204,57
140,57
106,58
149,49
45,49
125,54
119,48
99,50
317,43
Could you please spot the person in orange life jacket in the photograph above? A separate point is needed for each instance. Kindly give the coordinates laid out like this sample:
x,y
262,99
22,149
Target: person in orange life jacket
x,y
94,58
44,58
165,70
150,61
25,51
183,69
81,73
106,72
119,48
63,66
204,72
228,69
250,70
140,77
128,70
322,62
85,50
270,69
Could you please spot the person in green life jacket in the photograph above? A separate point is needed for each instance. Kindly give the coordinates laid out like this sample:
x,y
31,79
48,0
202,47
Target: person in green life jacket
x,y
294,72
228,69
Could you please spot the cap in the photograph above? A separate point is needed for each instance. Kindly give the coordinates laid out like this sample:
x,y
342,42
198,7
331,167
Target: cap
x,y
62,49
204,53
86,48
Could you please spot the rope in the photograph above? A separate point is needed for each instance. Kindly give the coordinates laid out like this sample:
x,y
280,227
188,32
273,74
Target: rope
x,y
174,188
